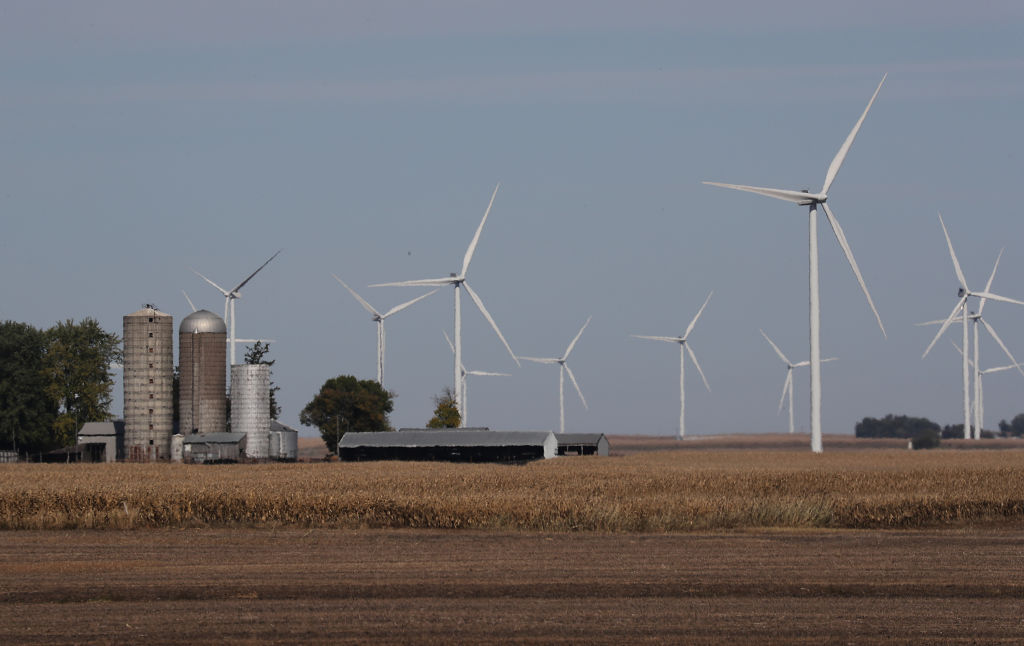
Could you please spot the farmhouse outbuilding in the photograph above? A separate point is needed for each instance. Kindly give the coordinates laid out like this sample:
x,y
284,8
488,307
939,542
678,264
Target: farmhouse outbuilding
x,y
214,447
101,441
450,445
582,444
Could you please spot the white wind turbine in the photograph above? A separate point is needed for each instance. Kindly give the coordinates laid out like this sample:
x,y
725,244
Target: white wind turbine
x,y
787,386
458,281
564,368
684,348
192,305
230,296
964,293
464,416
812,200
379,318
979,391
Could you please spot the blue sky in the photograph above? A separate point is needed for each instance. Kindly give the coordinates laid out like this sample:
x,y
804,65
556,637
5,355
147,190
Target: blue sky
x,y
140,139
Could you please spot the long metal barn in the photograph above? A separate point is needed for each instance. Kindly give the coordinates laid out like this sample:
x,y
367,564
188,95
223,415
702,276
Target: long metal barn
x,y
450,446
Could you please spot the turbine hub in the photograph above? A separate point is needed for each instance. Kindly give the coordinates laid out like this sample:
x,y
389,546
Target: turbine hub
x,y
961,292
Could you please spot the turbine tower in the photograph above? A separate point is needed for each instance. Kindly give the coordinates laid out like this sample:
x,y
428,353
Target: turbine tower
x,y
230,296
979,396
379,318
464,416
564,368
787,386
684,348
812,201
458,281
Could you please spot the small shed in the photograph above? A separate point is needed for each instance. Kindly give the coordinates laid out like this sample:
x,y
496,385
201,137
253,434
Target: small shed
x,y
213,447
450,445
582,444
101,441
284,441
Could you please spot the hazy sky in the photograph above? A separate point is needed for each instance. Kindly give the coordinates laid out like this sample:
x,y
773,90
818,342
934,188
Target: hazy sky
x,y
139,139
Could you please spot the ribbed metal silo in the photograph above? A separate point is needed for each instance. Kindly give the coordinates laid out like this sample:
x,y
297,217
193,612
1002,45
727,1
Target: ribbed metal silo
x,y
250,407
148,385
202,353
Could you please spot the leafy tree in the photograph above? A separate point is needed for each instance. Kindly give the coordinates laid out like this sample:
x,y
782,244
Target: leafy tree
x,y
255,354
76,364
346,404
894,426
446,413
1014,428
926,439
27,414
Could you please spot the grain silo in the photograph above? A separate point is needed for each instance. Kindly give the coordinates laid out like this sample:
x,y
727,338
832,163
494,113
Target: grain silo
x,y
250,407
148,385
202,352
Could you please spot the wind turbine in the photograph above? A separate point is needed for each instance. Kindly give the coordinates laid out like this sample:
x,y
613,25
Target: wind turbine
x,y
192,305
564,368
458,281
379,318
979,397
683,349
230,295
812,200
787,386
464,416
961,307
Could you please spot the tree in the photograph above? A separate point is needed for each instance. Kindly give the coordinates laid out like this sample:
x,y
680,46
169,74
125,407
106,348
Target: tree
x,y
446,413
27,414
894,426
1014,428
77,365
255,354
346,404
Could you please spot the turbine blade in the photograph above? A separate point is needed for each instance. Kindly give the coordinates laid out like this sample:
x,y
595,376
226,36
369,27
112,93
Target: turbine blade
x,y
242,284
490,319
841,237
802,364
786,385
1000,369
1002,345
693,358
423,282
991,277
579,392
776,348
689,328
476,236
450,344
935,322
481,373
219,288
952,254
362,301
575,339
670,339
547,360
945,324
829,359
837,161
399,308
797,197
189,301
997,297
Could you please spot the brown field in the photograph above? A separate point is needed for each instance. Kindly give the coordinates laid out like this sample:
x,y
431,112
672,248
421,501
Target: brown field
x,y
322,586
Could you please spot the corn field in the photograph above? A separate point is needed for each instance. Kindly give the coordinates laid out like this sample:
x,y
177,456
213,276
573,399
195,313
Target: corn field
x,y
652,492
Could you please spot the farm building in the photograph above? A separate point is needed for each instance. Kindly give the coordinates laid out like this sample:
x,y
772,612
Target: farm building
x,y
449,445
582,444
284,441
213,447
101,441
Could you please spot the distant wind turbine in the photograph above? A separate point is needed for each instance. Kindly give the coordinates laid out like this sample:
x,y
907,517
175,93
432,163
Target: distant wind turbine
x,y
812,200
684,348
563,368
787,386
379,318
230,296
979,397
462,382
964,293
190,304
458,281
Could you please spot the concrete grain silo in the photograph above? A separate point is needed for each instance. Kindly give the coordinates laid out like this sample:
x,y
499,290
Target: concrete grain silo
x,y
202,353
250,407
148,385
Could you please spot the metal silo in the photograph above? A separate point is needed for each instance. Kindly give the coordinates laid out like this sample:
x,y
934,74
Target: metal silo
x,y
148,385
202,352
250,407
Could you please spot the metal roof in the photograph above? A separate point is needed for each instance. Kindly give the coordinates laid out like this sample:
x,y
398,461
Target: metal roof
x,y
406,429
278,426
202,321
579,438
149,311
446,438
214,438
114,427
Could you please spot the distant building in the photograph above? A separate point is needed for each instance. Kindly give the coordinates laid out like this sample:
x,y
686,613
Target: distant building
x,y
582,444
101,441
284,442
202,353
214,447
148,385
250,407
449,445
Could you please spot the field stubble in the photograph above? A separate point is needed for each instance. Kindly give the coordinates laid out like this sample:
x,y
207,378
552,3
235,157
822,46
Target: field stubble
x,y
655,491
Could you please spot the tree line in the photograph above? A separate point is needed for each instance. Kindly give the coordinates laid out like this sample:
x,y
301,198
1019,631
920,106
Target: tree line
x,y
906,427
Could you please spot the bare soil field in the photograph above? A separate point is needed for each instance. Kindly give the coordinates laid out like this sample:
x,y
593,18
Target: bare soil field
x,y
323,586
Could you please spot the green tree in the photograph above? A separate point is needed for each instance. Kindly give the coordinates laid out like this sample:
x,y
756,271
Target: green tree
x,y
894,426
1014,427
446,413
346,404
27,414
255,354
77,365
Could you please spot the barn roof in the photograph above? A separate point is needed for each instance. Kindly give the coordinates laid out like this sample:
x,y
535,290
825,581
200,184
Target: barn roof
x,y
579,438
214,438
278,426
446,438
114,427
